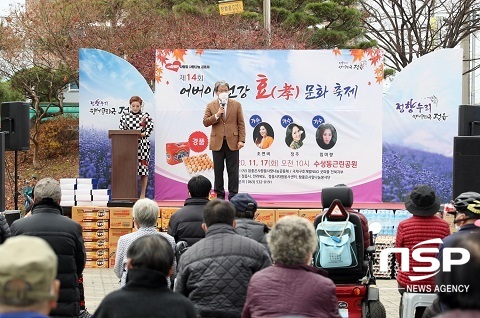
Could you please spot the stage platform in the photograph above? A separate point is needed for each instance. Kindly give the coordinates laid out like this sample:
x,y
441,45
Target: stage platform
x,y
305,205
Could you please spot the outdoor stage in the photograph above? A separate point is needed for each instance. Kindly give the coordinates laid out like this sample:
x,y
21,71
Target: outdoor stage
x,y
305,205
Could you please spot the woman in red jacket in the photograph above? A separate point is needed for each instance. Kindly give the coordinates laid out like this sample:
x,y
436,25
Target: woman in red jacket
x,y
424,225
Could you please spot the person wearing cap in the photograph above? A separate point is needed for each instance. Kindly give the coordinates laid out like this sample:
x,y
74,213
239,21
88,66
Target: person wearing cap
x,y
246,206
467,211
64,236
28,288
146,294
214,273
424,225
186,223
291,286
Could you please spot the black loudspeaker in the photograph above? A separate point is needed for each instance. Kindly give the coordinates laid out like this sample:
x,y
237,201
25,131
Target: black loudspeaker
x,y
16,125
2,171
466,164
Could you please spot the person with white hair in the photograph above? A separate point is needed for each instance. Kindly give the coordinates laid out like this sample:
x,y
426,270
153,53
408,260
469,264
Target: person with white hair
x,y
145,217
295,287
28,287
65,237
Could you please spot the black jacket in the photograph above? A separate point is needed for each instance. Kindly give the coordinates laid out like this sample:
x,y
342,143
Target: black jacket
x,y
145,295
4,229
65,237
214,273
186,223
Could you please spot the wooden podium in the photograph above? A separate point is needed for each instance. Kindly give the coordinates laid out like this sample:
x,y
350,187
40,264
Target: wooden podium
x,y
124,164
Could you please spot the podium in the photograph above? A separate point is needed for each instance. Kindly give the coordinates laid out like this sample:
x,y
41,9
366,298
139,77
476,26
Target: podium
x,y
124,164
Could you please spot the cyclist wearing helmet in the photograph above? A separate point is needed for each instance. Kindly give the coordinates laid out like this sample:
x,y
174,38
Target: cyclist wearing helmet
x,y
467,211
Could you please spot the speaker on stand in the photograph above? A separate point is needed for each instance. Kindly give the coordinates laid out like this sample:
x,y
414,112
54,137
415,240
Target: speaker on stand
x,y
466,164
2,172
15,123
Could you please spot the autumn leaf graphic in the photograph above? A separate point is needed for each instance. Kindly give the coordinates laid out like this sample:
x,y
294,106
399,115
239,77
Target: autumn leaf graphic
x,y
179,54
357,54
336,51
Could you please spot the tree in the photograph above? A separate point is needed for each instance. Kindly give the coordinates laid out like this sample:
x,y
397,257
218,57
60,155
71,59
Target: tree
x,y
408,29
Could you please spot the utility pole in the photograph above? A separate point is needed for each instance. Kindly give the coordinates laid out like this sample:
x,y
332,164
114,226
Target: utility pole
x,y
266,19
465,67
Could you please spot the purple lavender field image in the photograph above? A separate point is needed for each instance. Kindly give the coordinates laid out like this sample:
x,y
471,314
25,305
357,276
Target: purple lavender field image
x,y
95,159
403,168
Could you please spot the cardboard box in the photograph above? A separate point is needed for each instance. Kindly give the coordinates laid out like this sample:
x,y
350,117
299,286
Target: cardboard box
x,y
96,244
80,213
97,263
121,223
89,235
96,253
114,236
266,216
164,226
167,212
112,254
310,214
279,213
121,213
94,224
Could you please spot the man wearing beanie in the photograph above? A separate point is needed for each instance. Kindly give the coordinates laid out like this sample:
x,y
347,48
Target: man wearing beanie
x,y
28,288
246,206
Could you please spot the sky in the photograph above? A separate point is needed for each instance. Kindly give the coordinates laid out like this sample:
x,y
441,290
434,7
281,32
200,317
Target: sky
x,y
4,5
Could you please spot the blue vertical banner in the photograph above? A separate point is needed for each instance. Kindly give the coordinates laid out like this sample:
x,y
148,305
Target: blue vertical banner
x,y
332,99
420,119
106,84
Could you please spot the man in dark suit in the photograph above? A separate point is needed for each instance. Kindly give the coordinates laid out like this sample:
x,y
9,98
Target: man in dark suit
x,y
226,138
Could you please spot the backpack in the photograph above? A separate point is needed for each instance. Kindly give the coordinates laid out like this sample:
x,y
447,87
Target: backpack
x,y
336,244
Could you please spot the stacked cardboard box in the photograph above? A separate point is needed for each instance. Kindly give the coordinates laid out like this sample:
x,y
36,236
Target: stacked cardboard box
x,y
164,217
121,223
94,222
309,214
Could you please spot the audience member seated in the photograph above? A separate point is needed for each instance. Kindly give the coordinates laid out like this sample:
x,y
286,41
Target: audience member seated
x,y
246,206
423,203
214,272
65,237
146,294
186,223
145,217
28,288
464,304
467,211
291,287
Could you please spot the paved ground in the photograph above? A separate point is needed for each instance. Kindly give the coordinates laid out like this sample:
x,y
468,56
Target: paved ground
x,y
99,282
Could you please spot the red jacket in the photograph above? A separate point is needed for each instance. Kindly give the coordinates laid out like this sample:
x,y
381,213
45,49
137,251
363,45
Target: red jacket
x,y
413,231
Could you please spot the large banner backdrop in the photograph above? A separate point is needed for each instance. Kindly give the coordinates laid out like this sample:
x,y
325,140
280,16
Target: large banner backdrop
x,y
278,90
381,147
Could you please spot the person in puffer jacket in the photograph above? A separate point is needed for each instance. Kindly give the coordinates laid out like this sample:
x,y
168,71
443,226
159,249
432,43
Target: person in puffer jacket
x,y
214,273
246,206
64,236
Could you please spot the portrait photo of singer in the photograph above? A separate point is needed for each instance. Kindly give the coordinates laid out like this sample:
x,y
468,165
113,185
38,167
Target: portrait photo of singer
x,y
136,119
326,136
227,137
294,136
263,135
